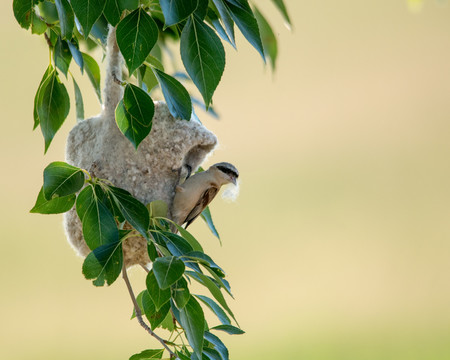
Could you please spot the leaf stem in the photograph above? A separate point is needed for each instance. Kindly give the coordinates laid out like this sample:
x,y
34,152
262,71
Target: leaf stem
x,y
89,179
47,39
139,313
49,50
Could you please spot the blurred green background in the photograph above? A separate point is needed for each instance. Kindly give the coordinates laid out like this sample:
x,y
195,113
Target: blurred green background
x,y
338,246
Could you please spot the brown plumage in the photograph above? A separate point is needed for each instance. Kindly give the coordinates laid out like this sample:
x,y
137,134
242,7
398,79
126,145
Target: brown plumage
x,y
199,190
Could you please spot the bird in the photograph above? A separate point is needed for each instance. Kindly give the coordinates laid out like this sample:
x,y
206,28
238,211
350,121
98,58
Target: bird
x,y
196,192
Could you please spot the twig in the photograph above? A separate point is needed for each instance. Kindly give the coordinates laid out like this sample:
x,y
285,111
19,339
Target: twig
x,y
49,42
139,314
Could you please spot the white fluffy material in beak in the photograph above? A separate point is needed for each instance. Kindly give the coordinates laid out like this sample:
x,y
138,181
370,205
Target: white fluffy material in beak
x,y
231,192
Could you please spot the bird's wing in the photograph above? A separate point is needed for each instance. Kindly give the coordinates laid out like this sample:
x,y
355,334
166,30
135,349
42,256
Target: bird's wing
x,y
203,202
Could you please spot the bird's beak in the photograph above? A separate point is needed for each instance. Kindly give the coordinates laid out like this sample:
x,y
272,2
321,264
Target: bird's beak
x,y
234,180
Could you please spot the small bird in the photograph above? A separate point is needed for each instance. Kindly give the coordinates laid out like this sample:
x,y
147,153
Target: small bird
x,y
193,195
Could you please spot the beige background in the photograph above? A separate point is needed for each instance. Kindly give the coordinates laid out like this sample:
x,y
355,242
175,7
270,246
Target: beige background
x,y
338,246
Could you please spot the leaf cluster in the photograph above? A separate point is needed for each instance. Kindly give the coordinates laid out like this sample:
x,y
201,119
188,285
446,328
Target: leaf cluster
x,y
109,216
143,28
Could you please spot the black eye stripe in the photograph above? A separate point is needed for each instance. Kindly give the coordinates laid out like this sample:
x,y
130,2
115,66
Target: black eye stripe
x,y
228,171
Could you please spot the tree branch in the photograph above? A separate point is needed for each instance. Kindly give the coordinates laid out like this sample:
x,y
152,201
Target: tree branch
x,y
139,314
145,268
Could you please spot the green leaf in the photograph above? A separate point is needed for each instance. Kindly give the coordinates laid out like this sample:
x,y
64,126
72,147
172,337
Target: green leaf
x,y
136,35
168,322
268,38
36,97
148,77
47,9
38,26
206,216
210,353
182,356
138,104
226,19
56,205
176,11
155,62
159,296
93,72
202,9
213,19
229,329
107,199
163,250
221,282
155,317
203,56
158,208
168,270
157,53
203,259
66,18
99,34
62,55
129,4
180,293
99,226
218,345
245,20
52,106
192,320
148,354
23,12
112,11
175,243
176,96
215,308
52,32
151,250
189,238
61,179
212,287
134,114
133,210
76,54
87,12
79,106
104,264
139,302
282,8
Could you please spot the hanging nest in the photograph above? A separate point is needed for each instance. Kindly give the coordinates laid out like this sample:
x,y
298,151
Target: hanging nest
x,y
149,173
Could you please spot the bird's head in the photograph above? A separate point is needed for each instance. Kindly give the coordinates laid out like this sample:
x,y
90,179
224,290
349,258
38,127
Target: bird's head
x,y
226,171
